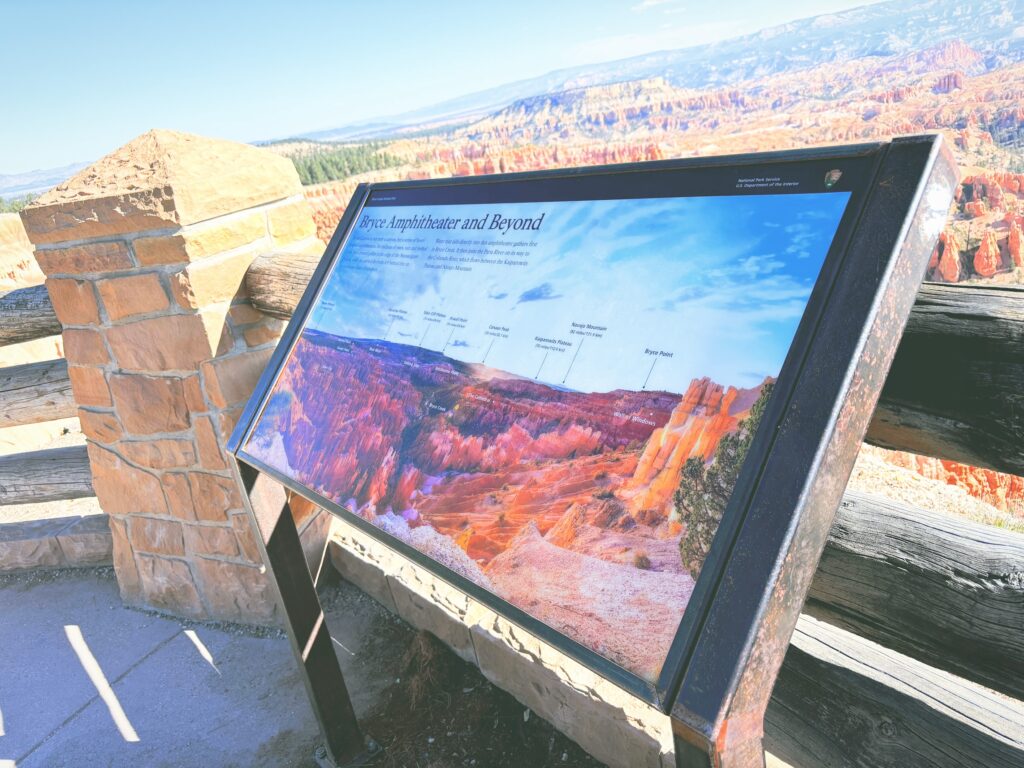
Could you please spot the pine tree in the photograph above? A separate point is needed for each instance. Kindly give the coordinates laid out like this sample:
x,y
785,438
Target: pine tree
x,y
704,489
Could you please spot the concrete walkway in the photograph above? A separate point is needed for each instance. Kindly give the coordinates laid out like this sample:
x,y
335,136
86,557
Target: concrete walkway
x,y
86,682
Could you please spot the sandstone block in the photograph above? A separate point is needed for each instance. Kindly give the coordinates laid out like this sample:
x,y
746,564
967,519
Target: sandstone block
x,y
245,533
31,544
202,241
427,603
133,295
364,573
159,454
237,592
211,540
218,330
160,179
230,380
291,223
124,562
73,301
313,538
194,394
211,281
613,726
168,585
100,426
89,386
85,347
123,489
213,496
264,333
228,420
163,249
173,342
87,542
245,314
83,259
149,404
210,454
179,496
303,510
158,537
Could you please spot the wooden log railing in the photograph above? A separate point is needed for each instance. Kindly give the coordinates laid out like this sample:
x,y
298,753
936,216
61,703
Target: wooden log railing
x,y
34,393
943,590
54,474
26,314
913,633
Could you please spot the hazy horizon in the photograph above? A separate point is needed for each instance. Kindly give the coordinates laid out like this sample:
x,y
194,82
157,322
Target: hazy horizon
x,y
214,75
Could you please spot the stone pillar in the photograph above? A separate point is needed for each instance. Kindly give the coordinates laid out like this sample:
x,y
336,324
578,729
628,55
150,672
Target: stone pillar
x,y
145,254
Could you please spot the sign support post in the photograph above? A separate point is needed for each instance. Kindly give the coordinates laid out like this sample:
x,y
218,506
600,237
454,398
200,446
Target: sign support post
x,y
267,504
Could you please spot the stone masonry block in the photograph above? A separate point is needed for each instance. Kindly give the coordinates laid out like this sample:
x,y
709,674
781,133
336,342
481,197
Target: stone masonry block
x,y
213,496
73,301
211,540
172,342
158,537
133,295
159,180
168,585
83,259
609,723
123,489
266,332
167,453
291,223
89,386
365,573
245,314
200,242
211,281
149,404
100,426
245,532
31,544
87,542
211,456
237,592
230,380
313,537
179,496
85,347
427,603
124,562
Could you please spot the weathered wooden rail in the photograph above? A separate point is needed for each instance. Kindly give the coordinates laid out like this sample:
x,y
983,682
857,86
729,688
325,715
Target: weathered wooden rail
x,y
35,393
913,634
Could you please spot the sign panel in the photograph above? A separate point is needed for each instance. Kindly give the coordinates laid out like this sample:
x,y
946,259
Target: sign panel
x,y
548,387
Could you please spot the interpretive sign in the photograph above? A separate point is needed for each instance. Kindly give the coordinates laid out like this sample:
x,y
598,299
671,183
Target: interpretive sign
x,y
567,392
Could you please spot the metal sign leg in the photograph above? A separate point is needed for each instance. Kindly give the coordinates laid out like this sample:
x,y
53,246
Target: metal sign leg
x,y
746,754
304,618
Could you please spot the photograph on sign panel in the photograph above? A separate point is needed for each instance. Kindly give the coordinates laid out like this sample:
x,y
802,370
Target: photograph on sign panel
x,y
551,399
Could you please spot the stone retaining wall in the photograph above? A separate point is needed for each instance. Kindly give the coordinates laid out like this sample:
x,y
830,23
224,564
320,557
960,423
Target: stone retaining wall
x,y
609,723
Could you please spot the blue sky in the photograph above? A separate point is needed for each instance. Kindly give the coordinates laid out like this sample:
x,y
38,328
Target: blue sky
x,y
82,78
719,282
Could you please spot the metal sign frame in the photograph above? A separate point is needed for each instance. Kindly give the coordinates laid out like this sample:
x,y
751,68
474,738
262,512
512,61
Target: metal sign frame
x,y
717,678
